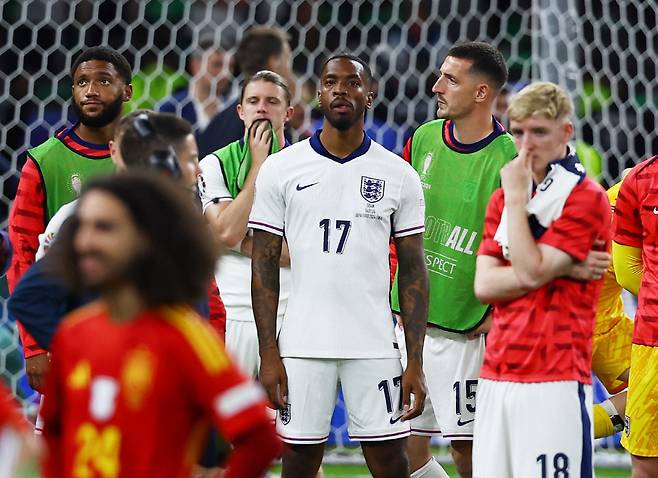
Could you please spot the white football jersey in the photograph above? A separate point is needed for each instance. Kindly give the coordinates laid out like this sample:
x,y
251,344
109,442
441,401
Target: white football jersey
x,y
338,216
47,237
233,270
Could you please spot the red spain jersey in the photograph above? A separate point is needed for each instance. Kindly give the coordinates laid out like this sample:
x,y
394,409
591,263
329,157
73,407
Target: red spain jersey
x,y
636,225
546,335
135,399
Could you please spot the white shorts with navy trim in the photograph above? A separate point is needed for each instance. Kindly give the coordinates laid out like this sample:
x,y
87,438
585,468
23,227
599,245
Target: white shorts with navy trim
x,y
533,429
371,390
451,363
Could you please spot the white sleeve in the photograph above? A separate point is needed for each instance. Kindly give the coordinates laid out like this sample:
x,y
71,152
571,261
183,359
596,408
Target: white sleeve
x,y
410,216
52,229
268,211
212,184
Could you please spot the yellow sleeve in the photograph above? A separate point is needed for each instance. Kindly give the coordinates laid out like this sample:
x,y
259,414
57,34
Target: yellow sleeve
x,y
628,266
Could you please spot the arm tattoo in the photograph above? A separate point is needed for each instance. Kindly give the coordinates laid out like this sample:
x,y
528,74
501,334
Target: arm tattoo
x,y
413,292
265,257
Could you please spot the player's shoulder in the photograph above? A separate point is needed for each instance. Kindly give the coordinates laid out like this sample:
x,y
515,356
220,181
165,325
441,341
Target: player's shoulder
x,y
295,150
289,158
83,318
590,196
230,151
645,172
41,151
195,334
590,190
430,126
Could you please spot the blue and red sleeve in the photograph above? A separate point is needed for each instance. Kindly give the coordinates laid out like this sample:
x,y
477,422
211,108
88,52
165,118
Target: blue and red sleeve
x,y
27,219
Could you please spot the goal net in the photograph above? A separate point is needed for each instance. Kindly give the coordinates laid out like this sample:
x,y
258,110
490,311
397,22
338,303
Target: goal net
x,y
602,51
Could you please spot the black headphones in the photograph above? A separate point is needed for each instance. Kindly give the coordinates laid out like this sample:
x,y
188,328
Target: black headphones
x,y
165,159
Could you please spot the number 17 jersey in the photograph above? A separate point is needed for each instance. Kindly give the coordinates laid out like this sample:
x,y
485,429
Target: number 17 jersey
x,y
337,215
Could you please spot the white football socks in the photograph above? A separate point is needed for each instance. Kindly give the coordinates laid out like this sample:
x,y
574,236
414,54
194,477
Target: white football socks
x,y
431,469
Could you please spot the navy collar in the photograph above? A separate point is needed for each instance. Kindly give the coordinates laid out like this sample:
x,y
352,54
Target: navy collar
x,y
70,132
571,163
319,148
455,145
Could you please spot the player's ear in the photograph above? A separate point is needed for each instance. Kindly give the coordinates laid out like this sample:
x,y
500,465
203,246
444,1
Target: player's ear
x,y
482,93
370,98
238,108
290,110
319,99
127,92
568,131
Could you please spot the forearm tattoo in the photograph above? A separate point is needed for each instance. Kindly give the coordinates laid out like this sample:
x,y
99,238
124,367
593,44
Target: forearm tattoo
x,y
265,257
413,292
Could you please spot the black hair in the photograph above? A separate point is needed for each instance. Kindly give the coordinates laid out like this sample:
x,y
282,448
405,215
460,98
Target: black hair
x,y
486,58
109,55
349,56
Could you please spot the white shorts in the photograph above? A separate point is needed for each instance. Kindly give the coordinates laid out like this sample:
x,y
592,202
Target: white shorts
x,y
533,429
371,390
451,364
241,343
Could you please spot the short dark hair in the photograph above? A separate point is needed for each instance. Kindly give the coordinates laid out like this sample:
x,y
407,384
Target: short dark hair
x,y
349,56
257,46
109,55
271,77
180,259
142,133
486,58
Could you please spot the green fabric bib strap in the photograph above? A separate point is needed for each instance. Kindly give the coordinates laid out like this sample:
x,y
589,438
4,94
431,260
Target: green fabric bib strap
x,y
457,184
65,172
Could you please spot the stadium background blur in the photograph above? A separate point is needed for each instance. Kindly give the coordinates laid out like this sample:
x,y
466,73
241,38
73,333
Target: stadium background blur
x,y
602,51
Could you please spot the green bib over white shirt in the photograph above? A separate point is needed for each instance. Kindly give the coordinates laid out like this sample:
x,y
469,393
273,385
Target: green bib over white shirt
x,y
223,174
458,180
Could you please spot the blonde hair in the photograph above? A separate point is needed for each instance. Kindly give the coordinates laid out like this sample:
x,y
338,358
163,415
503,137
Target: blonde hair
x,y
542,98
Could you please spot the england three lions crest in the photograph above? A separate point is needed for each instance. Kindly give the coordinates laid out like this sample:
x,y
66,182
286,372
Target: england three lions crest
x,y
372,190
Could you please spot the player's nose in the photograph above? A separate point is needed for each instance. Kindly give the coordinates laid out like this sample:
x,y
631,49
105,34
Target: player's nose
x,y
437,86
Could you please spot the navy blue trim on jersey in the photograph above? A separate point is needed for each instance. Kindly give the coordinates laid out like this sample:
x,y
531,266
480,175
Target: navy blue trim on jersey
x,y
586,455
71,132
452,142
571,163
319,148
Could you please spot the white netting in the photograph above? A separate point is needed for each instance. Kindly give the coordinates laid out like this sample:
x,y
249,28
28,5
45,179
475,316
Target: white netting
x,y
603,50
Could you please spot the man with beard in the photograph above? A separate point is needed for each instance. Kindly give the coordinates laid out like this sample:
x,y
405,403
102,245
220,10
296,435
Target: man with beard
x,y
56,170
136,376
338,197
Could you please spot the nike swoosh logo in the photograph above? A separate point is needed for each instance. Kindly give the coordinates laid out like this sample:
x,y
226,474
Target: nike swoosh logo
x,y
299,188
461,424
655,211
393,420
